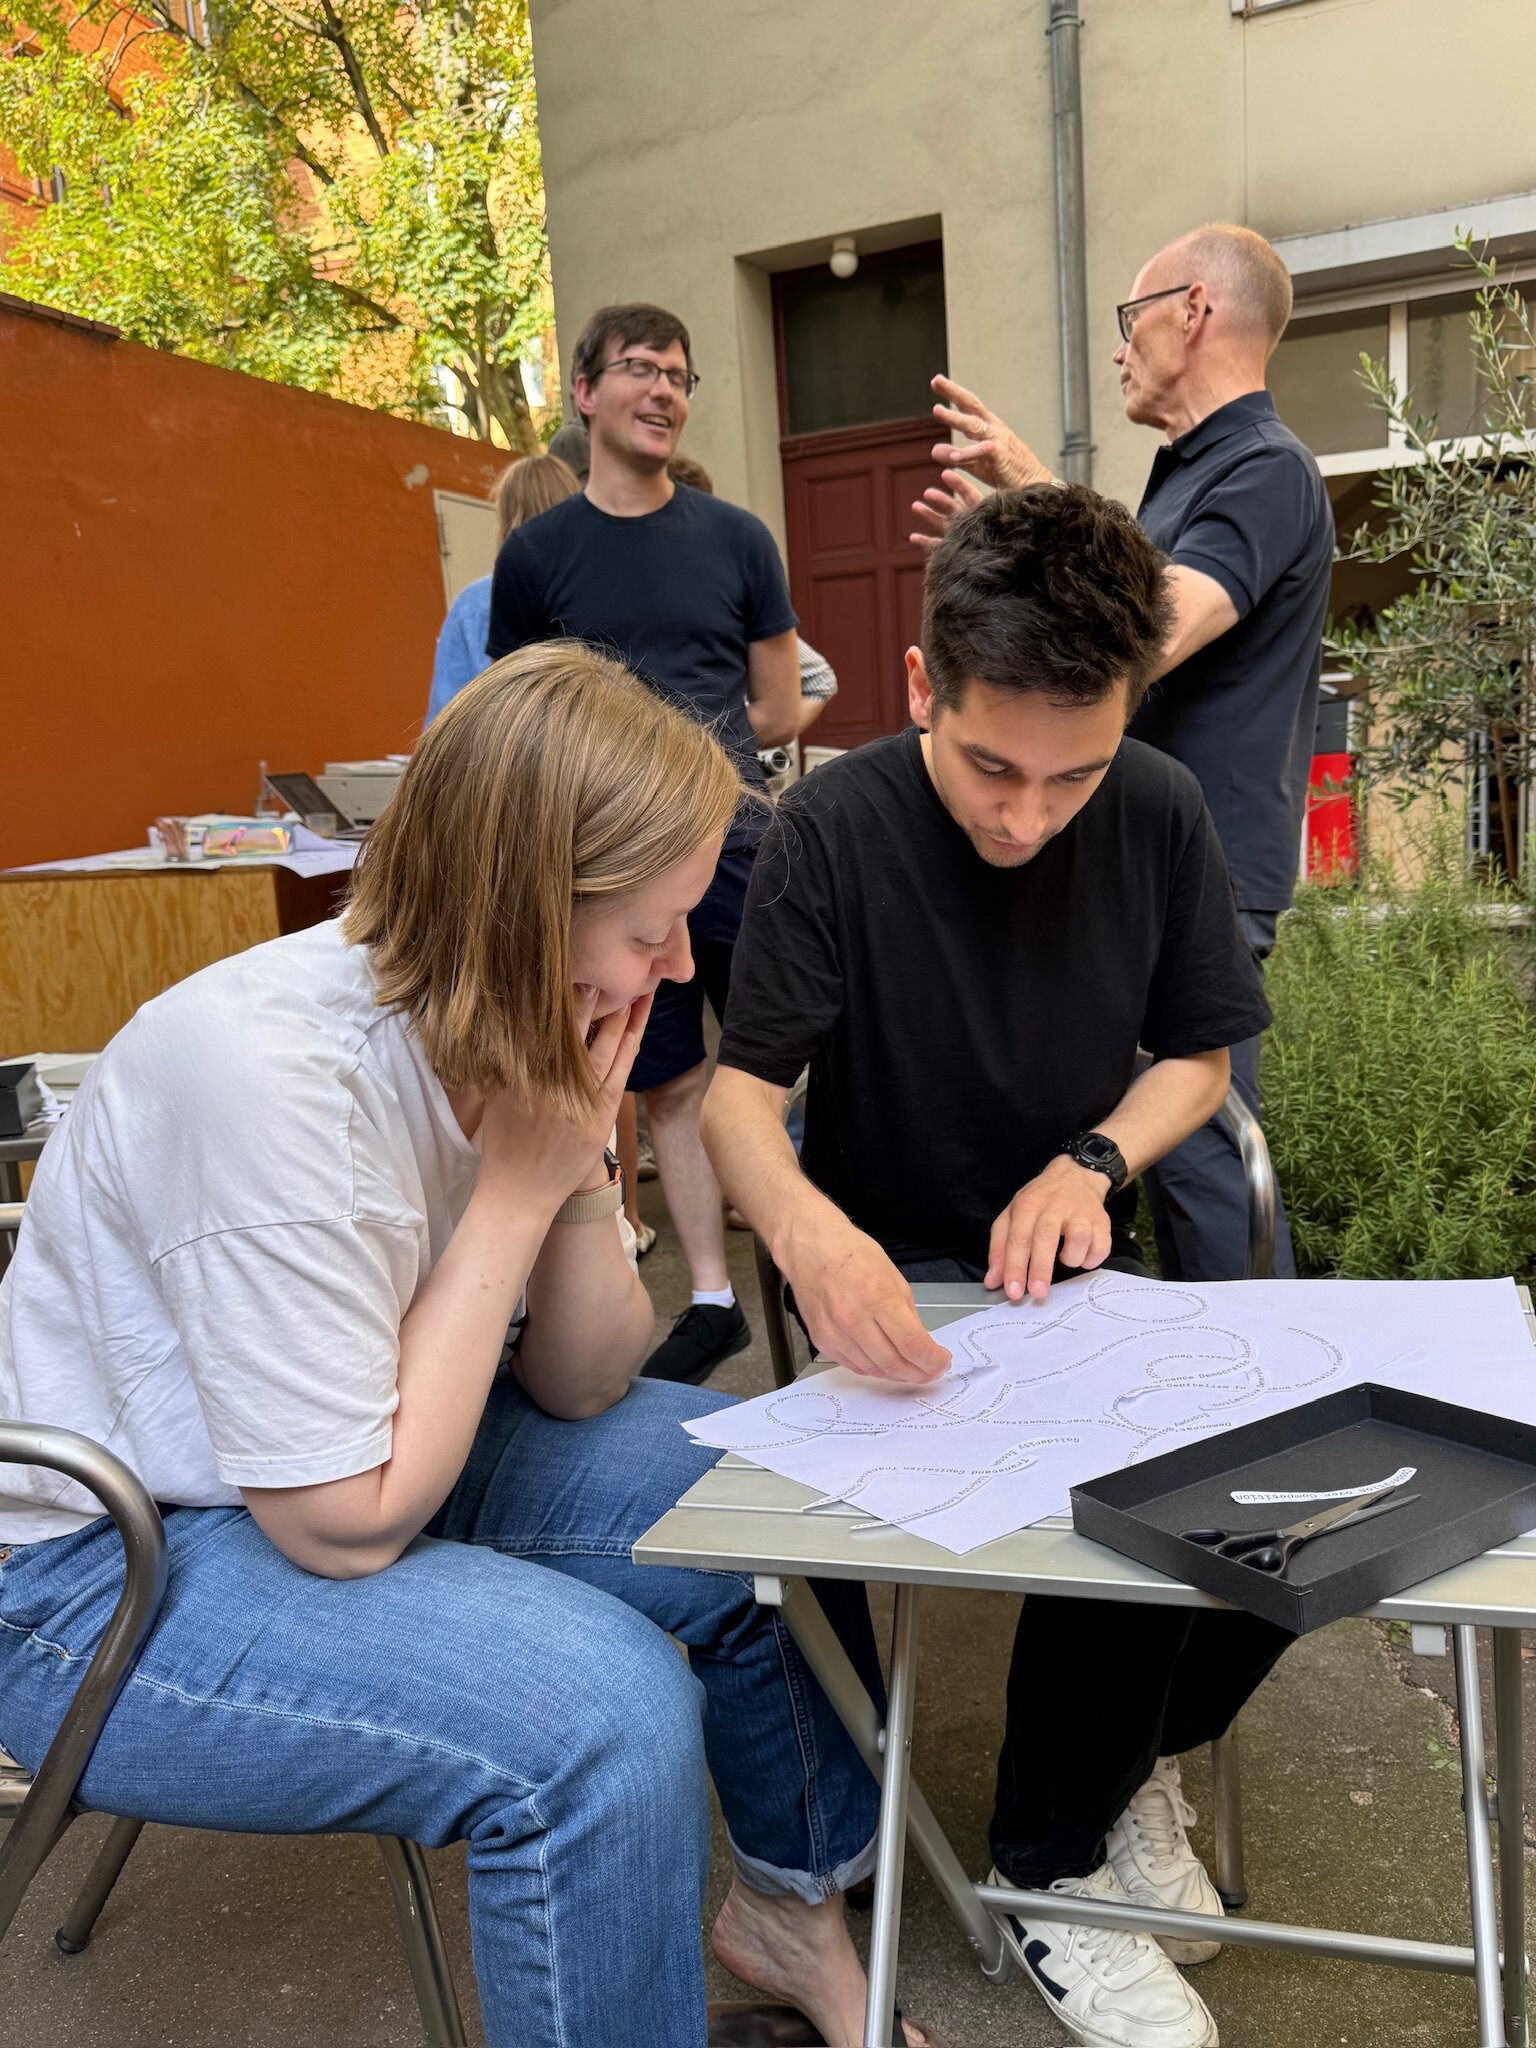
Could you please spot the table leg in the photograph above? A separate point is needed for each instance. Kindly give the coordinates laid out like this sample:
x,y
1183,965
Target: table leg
x,y
1474,1800
842,1685
1227,1818
891,1836
1509,1727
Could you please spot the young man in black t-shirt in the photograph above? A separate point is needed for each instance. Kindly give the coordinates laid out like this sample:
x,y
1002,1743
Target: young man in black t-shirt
x,y
968,931
689,592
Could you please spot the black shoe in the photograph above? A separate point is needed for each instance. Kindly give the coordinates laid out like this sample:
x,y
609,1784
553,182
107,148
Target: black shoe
x,y
701,1337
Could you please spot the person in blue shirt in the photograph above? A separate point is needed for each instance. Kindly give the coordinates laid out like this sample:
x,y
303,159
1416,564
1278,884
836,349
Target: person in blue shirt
x,y
524,489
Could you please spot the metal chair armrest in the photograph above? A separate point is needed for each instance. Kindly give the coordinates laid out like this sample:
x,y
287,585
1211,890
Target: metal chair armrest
x,y
1242,1126
46,1809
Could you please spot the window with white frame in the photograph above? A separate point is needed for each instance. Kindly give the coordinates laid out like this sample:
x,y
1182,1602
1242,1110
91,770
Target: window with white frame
x,y
1424,336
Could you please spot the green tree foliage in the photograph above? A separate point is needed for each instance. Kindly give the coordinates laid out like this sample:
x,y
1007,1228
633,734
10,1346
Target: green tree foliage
x,y
1400,1076
1455,658
342,194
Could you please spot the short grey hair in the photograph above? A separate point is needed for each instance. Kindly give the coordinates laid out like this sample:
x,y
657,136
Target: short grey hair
x,y
1247,271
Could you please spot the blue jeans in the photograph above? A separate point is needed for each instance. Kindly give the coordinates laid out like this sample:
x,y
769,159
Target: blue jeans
x,y
507,1682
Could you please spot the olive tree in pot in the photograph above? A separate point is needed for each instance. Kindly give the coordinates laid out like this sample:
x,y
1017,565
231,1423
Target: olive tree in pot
x,y
1449,668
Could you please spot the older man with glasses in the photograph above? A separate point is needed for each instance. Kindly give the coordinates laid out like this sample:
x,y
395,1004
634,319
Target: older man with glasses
x,y
690,593
1237,504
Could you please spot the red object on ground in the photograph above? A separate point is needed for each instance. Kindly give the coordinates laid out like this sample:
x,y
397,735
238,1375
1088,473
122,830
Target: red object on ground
x,y
1332,835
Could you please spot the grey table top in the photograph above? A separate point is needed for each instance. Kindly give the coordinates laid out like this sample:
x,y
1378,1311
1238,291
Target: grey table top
x,y
739,1517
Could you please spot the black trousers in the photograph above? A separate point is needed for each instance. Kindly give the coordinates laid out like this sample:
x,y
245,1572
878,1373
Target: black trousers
x,y
1098,1690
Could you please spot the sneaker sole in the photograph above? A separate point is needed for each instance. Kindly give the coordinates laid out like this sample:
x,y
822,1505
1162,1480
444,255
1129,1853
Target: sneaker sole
x,y
1179,1948
1187,1954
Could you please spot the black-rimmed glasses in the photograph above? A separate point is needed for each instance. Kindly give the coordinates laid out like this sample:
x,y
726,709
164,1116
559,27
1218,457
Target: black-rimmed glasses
x,y
643,371
1126,314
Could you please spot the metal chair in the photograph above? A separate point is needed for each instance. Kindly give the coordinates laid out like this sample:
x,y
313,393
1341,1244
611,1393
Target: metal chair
x,y
10,1223
1263,1200
43,1806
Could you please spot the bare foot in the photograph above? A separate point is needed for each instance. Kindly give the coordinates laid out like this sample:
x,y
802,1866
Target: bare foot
x,y
801,1954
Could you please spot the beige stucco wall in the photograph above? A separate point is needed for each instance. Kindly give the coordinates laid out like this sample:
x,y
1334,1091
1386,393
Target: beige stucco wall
x,y
690,146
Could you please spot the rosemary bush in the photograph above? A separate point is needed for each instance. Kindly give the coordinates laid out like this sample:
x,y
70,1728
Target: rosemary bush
x,y
1400,1078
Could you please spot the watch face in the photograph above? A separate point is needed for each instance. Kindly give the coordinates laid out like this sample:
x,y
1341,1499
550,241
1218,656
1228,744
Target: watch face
x,y
1095,1146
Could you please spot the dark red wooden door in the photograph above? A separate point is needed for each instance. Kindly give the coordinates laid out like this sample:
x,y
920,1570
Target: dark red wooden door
x,y
856,579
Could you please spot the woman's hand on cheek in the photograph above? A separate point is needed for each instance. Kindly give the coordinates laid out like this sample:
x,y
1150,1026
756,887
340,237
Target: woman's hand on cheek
x,y
539,1156
614,1044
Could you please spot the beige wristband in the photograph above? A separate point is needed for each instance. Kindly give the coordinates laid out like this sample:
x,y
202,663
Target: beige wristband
x,y
588,1204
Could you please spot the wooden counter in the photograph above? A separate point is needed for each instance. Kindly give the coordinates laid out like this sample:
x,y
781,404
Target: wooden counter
x,y
80,952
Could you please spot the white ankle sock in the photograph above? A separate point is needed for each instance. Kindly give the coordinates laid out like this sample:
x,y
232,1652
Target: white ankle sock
x,y
723,1297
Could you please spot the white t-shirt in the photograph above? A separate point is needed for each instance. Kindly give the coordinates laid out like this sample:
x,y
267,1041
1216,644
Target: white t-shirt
x,y
224,1235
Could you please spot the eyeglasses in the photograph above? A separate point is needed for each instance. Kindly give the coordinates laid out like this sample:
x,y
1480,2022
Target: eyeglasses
x,y
1126,314
643,371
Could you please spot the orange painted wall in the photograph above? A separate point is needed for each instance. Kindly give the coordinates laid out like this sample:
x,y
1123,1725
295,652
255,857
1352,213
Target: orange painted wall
x,y
202,570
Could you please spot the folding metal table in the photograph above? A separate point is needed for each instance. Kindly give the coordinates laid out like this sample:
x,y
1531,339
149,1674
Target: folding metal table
x,y
741,1518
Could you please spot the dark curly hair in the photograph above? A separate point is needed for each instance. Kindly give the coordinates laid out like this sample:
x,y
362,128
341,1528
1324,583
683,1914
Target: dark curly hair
x,y
1053,589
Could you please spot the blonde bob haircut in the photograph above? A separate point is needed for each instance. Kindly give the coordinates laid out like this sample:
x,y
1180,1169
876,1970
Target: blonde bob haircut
x,y
556,780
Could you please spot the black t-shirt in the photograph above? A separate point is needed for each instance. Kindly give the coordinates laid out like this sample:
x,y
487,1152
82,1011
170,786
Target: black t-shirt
x,y
677,595
1241,499
961,1020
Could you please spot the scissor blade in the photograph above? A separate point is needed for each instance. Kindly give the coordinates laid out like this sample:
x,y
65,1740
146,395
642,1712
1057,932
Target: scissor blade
x,y
1341,1511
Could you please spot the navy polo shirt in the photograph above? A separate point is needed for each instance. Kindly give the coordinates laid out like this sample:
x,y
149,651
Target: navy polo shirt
x,y
1241,499
679,595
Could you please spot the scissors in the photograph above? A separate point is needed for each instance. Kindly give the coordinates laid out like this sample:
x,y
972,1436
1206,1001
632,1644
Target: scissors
x,y
1271,1550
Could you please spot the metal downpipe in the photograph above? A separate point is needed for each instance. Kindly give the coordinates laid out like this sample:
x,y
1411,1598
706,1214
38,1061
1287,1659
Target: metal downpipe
x,y
1071,239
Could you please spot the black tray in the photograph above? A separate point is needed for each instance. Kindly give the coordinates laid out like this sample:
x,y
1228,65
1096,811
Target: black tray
x,y
1475,1477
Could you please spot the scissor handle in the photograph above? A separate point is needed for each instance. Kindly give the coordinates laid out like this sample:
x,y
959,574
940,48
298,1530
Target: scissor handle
x,y
1226,1545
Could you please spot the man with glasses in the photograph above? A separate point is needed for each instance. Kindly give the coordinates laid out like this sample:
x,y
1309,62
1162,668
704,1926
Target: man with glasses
x,y
689,592
1237,504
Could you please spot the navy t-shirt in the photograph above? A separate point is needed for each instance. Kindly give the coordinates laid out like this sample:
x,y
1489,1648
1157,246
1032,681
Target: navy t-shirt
x,y
962,1021
677,595
1240,499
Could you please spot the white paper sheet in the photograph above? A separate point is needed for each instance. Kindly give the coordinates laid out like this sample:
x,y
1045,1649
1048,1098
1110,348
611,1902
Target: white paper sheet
x,y
1111,1370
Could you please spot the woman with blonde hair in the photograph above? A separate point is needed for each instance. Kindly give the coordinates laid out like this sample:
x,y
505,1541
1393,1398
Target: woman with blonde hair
x,y
330,1251
524,489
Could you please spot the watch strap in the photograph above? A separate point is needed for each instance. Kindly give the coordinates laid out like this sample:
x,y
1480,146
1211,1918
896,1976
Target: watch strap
x,y
588,1204
1110,1160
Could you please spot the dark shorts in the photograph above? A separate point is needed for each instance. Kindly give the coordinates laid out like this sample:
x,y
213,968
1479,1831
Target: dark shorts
x,y
674,1038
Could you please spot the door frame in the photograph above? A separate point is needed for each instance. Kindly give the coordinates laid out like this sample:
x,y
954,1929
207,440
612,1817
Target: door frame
x,y
853,440
873,261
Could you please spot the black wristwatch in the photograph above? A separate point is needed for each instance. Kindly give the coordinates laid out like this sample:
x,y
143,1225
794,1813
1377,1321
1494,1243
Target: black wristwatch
x,y
1100,1154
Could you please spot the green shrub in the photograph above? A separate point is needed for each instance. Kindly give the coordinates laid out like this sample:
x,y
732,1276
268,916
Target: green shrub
x,y
1400,1079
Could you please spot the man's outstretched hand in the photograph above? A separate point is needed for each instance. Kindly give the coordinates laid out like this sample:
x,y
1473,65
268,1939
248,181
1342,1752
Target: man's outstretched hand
x,y
859,1310
937,506
991,451
990,454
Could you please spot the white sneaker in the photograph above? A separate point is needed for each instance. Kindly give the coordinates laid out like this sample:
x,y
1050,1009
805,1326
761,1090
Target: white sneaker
x,y
1149,1852
1110,1988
